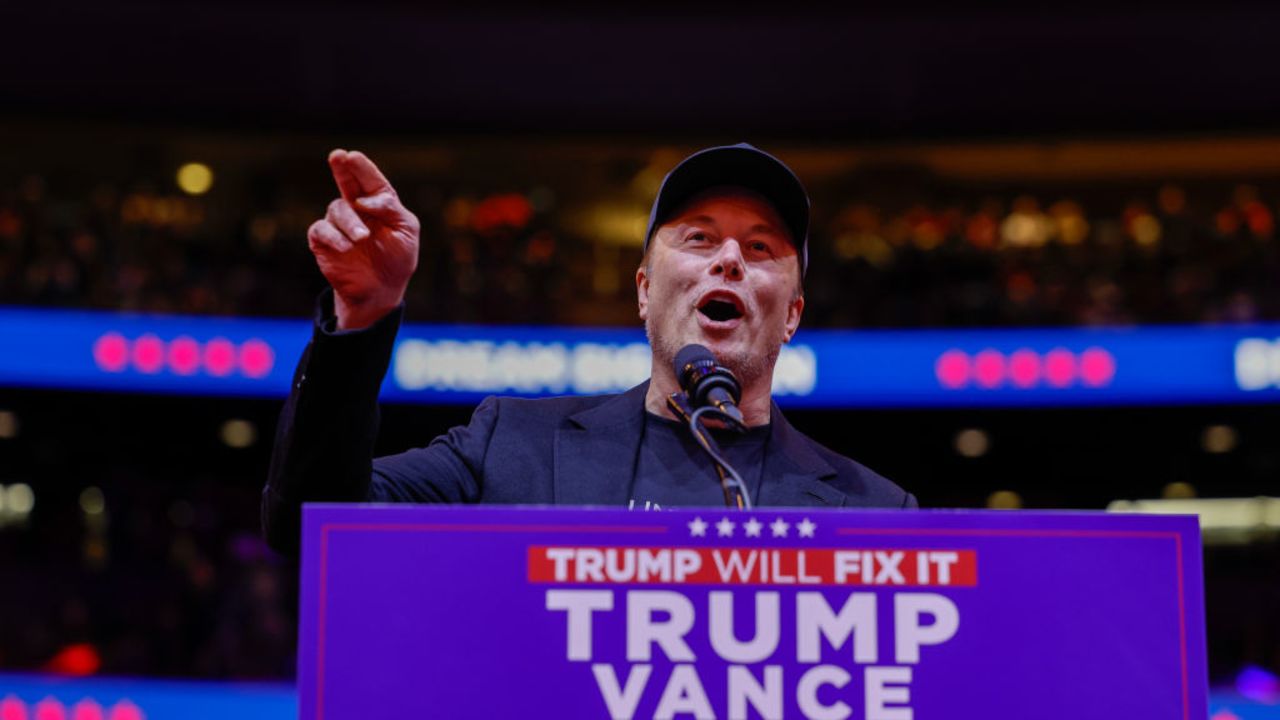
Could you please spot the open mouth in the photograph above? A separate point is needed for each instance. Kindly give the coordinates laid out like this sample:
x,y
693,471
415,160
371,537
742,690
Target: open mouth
x,y
720,310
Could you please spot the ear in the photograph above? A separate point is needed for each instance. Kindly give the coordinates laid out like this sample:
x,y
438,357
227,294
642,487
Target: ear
x,y
794,311
642,292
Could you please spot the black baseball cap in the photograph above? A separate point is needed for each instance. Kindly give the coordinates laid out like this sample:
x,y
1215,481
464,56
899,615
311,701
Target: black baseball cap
x,y
740,165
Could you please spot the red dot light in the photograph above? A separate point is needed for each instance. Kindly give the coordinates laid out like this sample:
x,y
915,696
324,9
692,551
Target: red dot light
x,y
148,354
1097,367
1025,368
952,369
988,368
184,355
87,709
125,710
1060,367
50,709
111,353
11,708
219,357
256,358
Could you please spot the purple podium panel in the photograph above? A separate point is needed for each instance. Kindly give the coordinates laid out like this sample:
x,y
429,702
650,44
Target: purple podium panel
x,y
488,612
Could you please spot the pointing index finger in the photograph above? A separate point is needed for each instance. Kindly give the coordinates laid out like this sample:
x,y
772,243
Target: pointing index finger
x,y
356,175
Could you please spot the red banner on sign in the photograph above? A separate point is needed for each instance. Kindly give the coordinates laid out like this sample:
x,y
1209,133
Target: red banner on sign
x,y
752,566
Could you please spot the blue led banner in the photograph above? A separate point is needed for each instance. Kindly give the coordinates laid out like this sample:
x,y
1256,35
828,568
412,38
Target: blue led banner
x,y
822,368
53,697
109,698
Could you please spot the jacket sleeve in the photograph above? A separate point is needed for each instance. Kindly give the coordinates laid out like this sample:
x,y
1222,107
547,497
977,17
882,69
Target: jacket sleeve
x,y
324,440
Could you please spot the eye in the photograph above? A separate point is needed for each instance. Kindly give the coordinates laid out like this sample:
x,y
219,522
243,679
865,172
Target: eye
x,y
697,237
761,246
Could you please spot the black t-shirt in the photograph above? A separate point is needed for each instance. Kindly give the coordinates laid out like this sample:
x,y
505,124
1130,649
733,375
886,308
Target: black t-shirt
x,y
673,471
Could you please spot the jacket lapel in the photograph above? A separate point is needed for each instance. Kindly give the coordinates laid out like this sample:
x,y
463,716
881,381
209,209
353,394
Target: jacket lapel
x,y
793,472
595,451
595,455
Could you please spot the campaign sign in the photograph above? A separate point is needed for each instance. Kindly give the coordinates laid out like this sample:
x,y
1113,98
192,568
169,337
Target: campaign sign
x,y
483,612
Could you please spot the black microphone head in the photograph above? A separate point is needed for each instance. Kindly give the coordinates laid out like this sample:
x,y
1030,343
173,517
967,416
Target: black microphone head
x,y
698,373
692,362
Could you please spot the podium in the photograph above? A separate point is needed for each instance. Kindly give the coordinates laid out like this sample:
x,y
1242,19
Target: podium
x,y
506,612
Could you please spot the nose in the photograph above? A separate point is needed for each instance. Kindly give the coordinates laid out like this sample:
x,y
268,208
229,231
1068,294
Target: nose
x,y
728,261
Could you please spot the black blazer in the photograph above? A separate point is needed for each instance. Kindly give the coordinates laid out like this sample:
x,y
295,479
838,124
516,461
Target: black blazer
x,y
561,451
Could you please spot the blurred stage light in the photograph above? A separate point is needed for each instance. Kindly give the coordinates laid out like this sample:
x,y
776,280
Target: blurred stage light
x,y
1219,439
1223,521
1070,225
856,244
78,659
1146,230
612,223
8,425
493,213
972,443
92,501
1026,225
1178,491
195,178
20,499
1004,500
239,433
1259,684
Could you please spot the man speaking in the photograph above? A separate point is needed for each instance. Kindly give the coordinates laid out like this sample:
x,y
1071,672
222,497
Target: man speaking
x,y
724,262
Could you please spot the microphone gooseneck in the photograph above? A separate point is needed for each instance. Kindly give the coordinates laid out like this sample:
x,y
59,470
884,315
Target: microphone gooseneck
x,y
710,389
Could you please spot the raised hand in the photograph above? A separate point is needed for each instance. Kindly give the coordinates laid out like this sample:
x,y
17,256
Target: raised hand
x,y
367,243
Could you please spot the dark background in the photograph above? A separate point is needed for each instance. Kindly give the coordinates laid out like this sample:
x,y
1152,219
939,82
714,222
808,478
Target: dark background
x,y
800,71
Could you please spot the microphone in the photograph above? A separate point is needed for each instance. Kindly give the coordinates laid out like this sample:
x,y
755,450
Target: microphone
x,y
707,382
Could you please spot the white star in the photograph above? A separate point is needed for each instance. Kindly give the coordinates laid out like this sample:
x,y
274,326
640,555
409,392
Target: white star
x,y
805,527
725,527
780,527
697,527
752,527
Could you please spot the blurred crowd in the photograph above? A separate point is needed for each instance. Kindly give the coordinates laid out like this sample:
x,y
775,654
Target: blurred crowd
x,y
191,597
1010,257
1022,261
129,559
159,569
